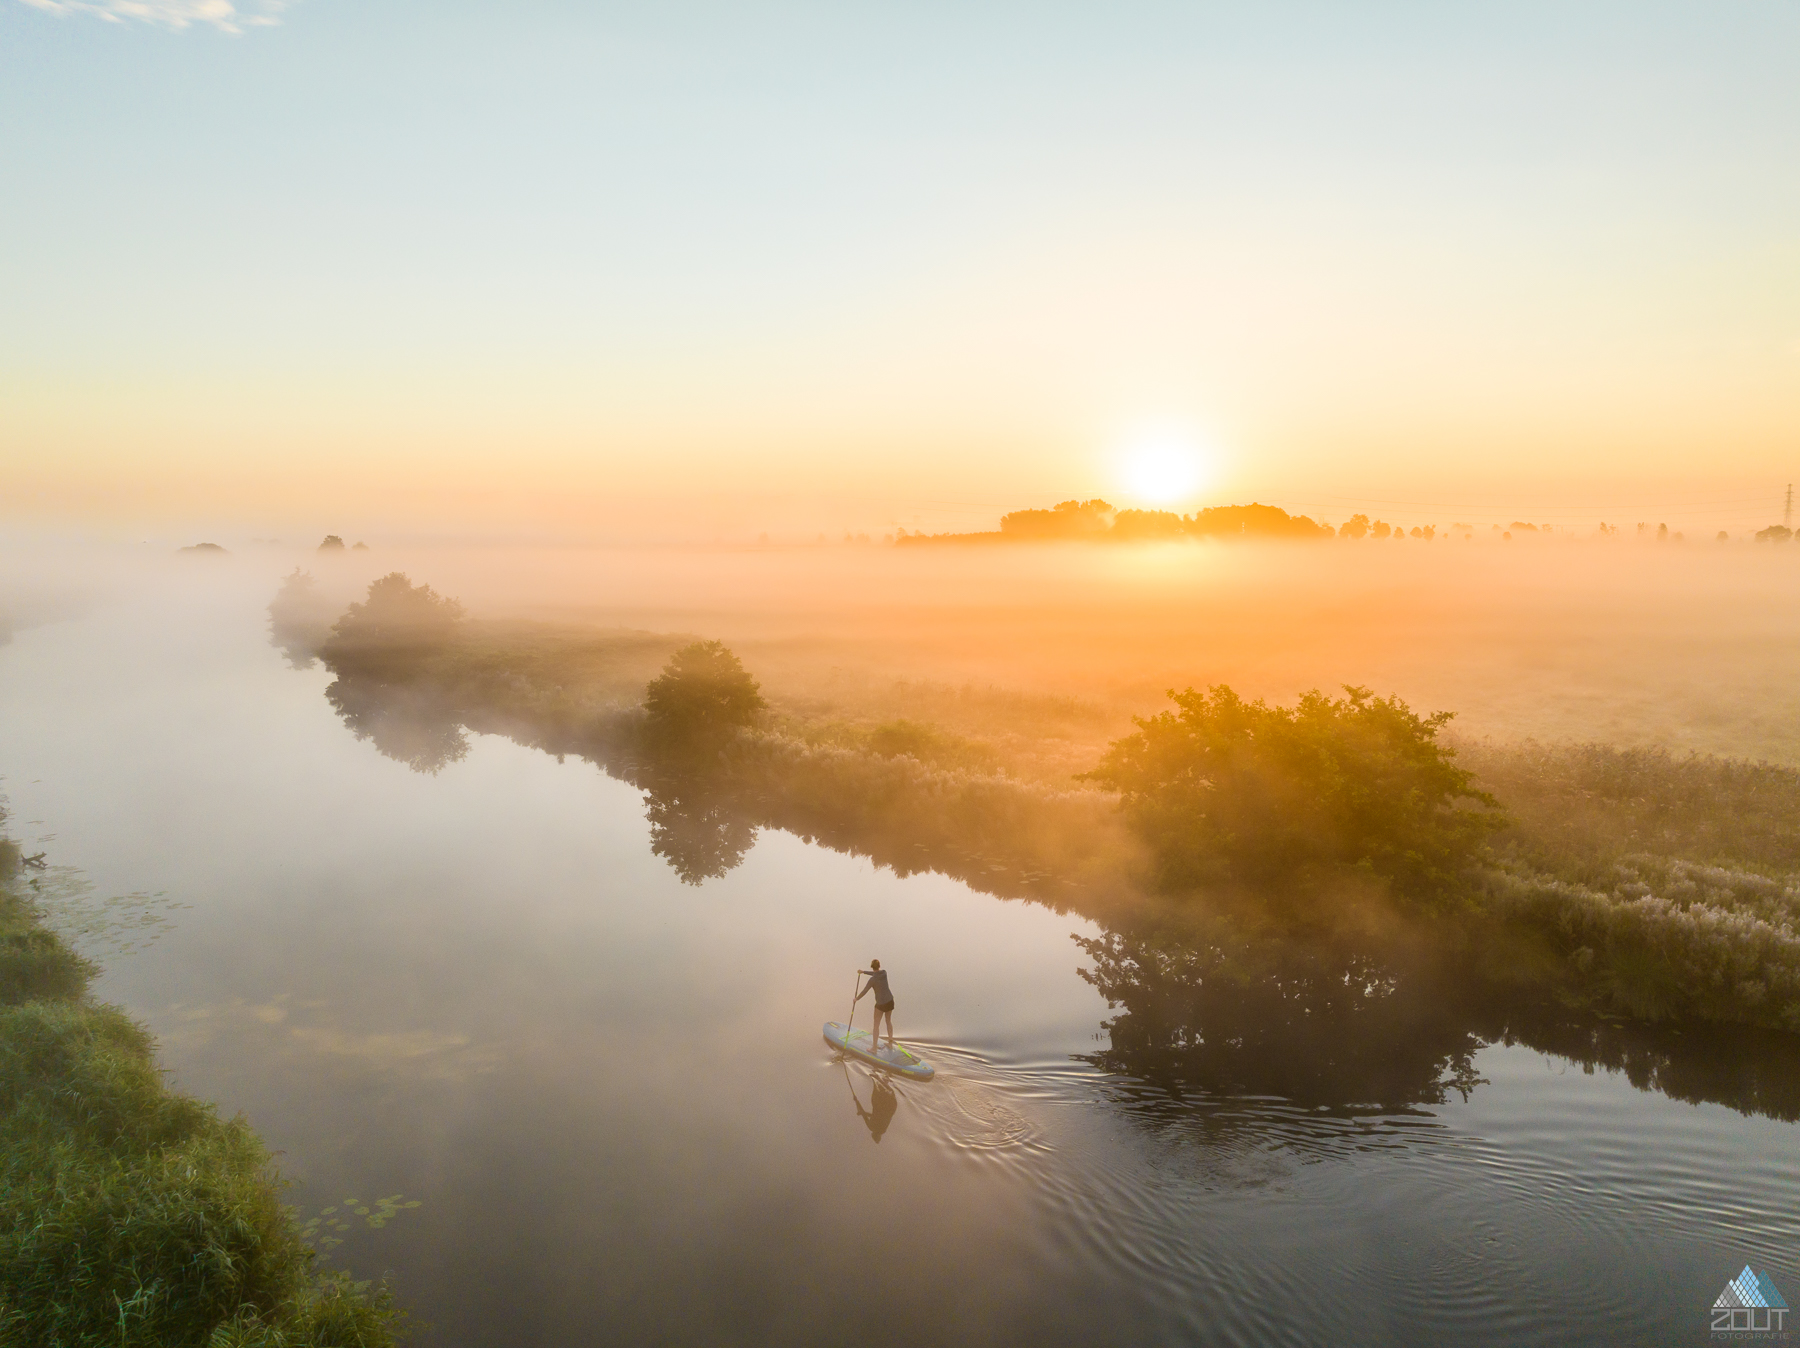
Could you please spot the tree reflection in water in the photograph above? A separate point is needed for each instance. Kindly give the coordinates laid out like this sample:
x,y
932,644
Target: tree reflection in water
x,y
404,723
1314,1025
695,825
1334,1027
300,619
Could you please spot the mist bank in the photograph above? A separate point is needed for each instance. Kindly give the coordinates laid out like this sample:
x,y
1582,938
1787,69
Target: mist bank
x,y
1633,882
1637,645
131,1214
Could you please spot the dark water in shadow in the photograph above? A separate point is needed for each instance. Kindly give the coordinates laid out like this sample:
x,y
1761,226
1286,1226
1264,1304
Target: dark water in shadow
x,y
492,989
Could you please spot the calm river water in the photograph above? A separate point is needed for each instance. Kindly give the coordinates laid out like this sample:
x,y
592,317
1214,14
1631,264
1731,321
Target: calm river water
x,y
479,991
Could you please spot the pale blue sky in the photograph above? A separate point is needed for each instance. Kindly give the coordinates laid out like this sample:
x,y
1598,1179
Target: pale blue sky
x,y
908,252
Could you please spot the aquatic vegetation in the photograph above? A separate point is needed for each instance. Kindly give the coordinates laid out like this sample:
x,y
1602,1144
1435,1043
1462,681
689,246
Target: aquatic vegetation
x,y
1654,884
131,1214
65,902
928,744
1226,792
911,796
319,1230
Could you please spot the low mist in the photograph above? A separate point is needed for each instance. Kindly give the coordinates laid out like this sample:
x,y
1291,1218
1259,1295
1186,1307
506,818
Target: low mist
x,y
1690,646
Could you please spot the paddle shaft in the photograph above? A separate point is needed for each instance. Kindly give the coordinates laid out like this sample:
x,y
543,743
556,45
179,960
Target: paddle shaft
x,y
855,995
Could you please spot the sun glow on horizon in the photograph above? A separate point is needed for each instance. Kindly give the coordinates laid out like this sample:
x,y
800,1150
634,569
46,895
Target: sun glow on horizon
x,y
1164,468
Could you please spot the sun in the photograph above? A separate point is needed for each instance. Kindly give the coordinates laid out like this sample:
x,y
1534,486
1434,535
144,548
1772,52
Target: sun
x,y
1163,469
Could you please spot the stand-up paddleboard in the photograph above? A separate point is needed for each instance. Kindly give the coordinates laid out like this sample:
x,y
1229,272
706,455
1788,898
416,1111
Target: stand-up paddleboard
x,y
896,1058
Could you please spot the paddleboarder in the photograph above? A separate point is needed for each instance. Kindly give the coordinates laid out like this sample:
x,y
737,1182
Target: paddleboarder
x,y
884,1001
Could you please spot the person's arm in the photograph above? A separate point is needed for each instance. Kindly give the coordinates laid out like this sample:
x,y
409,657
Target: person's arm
x,y
861,991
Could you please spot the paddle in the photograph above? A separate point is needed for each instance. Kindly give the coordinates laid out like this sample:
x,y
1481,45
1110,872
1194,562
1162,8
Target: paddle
x,y
851,1020
853,1095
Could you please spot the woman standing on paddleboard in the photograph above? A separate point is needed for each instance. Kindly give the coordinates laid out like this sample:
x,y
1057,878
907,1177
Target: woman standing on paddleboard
x,y
884,1001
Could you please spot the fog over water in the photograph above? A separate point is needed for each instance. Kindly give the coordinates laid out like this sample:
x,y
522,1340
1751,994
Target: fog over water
x,y
480,990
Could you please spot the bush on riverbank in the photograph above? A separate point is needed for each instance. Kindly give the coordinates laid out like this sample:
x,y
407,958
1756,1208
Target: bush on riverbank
x,y
1229,791
703,693
130,1214
397,624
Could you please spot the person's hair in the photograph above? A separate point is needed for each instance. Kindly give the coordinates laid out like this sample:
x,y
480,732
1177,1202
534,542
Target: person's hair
x,y
874,964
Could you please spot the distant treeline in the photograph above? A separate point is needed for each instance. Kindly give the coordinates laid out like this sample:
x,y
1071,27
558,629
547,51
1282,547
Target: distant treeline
x,y
1097,521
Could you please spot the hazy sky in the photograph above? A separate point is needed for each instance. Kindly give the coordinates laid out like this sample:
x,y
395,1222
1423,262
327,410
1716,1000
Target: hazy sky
x,y
602,270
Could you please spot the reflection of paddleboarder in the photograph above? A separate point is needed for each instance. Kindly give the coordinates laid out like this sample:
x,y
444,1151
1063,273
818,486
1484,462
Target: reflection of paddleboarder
x,y
884,1001
882,1104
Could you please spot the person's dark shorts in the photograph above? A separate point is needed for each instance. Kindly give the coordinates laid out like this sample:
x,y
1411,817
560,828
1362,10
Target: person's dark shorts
x,y
888,1008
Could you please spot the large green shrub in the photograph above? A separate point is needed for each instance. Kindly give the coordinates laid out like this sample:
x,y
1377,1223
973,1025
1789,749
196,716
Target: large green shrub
x,y
1225,790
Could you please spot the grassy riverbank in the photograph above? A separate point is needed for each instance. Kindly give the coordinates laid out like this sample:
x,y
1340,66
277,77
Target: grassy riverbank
x,y
1632,882
131,1214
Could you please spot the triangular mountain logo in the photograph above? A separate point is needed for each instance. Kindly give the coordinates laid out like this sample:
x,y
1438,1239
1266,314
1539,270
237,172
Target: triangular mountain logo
x,y
1750,1304
1748,1289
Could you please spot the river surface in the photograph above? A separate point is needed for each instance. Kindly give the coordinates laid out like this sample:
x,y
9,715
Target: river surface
x,y
597,1101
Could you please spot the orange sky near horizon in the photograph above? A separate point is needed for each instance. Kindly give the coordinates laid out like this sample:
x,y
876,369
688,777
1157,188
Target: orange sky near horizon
x,y
863,272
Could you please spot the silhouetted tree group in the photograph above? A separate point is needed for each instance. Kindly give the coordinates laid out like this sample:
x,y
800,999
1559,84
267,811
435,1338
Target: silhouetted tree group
x,y
1098,522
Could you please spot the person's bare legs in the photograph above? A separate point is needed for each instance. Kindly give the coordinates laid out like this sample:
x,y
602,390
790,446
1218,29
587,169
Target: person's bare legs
x,y
890,1020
